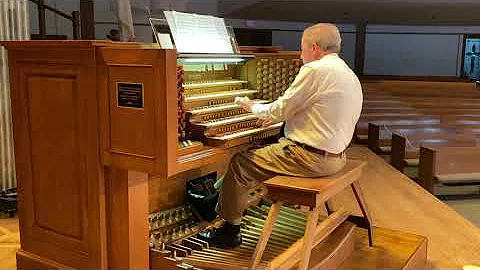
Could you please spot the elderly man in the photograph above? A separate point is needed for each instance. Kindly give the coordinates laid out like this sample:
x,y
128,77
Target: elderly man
x,y
320,110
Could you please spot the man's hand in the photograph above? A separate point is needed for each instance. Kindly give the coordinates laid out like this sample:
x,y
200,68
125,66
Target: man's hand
x,y
245,103
264,123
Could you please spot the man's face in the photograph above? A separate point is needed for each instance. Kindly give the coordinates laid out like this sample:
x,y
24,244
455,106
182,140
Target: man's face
x,y
308,52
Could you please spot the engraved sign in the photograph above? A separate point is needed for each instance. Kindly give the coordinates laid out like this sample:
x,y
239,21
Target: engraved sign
x,y
130,95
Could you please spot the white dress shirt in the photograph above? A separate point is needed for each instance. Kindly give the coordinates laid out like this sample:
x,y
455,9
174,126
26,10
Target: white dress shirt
x,y
321,107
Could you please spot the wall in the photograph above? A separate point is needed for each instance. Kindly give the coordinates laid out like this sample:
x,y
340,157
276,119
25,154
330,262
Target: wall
x,y
415,50
105,14
390,50
290,40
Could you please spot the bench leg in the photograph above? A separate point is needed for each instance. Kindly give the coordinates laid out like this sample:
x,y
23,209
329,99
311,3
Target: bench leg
x,y
266,231
363,206
329,211
312,220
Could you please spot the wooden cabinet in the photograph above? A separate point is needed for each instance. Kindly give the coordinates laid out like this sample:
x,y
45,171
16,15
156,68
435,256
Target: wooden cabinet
x,y
55,121
91,123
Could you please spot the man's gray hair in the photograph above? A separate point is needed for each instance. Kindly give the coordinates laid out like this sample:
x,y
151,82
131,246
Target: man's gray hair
x,y
325,35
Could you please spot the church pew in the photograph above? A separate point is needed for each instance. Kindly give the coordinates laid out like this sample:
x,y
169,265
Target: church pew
x,y
410,119
422,106
380,135
420,88
425,110
405,150
448,165
361,130
398,99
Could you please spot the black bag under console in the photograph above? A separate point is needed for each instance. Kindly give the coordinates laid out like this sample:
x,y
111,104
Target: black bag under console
x,y
202,196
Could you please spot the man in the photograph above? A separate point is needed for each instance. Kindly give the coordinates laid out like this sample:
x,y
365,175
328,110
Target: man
x,y
320,110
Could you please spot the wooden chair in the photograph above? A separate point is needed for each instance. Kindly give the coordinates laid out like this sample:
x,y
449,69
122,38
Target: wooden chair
x,y
314,194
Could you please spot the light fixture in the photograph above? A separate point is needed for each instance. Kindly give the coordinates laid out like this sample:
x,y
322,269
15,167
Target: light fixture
x,y
212,60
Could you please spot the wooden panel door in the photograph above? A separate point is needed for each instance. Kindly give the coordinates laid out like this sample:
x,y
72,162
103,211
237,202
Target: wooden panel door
x,y
60,179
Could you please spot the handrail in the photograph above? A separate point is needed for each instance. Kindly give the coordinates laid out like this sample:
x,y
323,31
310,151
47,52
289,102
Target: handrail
x,y
74,18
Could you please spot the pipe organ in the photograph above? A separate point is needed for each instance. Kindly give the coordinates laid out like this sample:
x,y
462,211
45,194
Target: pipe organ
x,y
114,120
106,136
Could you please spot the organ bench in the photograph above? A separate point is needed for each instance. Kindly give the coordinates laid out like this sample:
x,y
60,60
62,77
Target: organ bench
x,y
312,193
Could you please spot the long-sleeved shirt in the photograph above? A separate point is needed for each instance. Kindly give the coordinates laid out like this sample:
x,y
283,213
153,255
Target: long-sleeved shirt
x,y
321,107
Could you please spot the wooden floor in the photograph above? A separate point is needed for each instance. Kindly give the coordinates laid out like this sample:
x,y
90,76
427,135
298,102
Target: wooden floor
x,y
9,242
395,202
468,208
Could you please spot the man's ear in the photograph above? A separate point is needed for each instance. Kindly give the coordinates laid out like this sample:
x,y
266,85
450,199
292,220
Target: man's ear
x,y
315,46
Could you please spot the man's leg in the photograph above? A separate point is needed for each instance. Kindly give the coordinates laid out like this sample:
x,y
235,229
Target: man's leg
x,y
242,176
248,169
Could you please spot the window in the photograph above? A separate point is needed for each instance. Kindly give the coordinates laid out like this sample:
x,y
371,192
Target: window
x,y
471,57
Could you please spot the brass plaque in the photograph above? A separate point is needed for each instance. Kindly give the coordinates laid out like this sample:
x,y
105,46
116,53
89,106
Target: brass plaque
x,y
130,95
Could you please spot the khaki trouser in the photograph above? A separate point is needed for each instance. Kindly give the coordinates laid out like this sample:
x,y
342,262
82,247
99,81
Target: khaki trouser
x,y
248,169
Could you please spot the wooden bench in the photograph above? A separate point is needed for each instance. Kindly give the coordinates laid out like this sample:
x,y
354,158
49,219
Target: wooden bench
x,y
402,156
454,125
312,193
409,88
380,136
448,165
361,131
436,110
414,119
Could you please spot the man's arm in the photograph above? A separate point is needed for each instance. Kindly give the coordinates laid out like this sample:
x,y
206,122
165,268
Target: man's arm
x,y
298,96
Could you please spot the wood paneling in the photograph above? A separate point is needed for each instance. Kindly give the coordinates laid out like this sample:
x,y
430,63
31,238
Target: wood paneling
x,y
54,132
127,215
125,138
26,260
137,138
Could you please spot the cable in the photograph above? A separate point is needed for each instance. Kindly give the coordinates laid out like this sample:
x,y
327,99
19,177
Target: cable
x,y
407,141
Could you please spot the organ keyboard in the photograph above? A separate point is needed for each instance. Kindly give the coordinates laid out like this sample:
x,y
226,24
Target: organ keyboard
x,y
209,88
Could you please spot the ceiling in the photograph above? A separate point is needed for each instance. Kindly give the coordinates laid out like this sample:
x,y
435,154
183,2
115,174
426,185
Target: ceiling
x,y
418,12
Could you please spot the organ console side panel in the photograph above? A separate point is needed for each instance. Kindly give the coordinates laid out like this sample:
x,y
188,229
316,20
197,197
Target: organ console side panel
x,y
138,123
55,121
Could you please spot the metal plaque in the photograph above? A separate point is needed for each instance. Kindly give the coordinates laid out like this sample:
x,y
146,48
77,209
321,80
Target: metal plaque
x,y
130,95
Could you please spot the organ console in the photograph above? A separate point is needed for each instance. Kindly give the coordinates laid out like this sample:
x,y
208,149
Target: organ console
x,y
106,135
100,127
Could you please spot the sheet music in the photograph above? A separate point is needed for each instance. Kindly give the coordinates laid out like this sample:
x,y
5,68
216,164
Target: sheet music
x,y
165,41
194,33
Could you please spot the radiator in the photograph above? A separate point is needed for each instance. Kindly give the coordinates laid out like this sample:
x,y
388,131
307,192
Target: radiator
x,y
14,25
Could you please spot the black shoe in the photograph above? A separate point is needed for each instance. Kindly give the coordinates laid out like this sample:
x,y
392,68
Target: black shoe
x,y
227,235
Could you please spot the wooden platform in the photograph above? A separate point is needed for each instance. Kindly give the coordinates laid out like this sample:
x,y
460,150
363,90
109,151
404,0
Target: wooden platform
x,y
392,249
397,203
